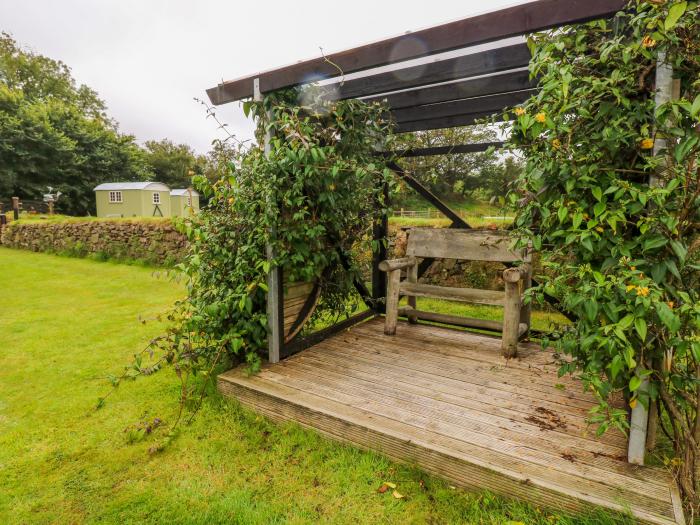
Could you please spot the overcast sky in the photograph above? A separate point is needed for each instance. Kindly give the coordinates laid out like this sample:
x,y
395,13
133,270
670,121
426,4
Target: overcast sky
x,y
148,59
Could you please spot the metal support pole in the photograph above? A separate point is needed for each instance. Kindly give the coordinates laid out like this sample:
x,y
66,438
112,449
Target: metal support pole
x,y
275,291
640,415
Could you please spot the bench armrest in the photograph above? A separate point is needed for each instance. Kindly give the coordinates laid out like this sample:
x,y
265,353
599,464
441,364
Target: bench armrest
x,y
397,264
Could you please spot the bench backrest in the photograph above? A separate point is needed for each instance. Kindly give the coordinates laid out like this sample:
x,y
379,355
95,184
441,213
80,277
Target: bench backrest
x,y
470,245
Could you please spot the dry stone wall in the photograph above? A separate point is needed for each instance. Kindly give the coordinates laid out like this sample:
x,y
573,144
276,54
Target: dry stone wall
x,y
155,242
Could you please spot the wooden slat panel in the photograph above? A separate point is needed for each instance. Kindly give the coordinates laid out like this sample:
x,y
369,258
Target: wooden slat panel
x,y
294,290
492,104
472,87
468,295
451,243
516,20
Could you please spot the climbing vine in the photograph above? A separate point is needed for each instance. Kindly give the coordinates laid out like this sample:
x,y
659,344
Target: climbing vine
x,y
619,253
310,198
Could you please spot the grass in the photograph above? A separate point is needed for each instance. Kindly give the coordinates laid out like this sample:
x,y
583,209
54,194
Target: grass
x,y
67,323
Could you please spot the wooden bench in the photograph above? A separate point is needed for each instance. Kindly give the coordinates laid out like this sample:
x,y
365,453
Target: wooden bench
x,y
469,245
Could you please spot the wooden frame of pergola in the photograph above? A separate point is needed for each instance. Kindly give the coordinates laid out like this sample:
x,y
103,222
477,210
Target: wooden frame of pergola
x,y
457,88
444,80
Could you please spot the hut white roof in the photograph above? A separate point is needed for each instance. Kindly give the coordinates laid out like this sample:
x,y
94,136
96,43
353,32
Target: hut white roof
x,y
111,186
178,192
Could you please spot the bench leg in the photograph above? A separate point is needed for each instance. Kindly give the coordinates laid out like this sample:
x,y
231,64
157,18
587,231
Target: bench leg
x,y
511,319
392,301
526,309
412,278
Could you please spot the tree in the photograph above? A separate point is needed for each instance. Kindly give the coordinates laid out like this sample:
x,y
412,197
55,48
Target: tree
x,y
173,164
451,176
54,133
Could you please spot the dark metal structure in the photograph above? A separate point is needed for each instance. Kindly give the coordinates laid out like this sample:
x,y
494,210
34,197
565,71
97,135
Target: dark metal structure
x,y
445,76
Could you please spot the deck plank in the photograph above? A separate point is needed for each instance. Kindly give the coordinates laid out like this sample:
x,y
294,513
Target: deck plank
x,y
445,400
560,449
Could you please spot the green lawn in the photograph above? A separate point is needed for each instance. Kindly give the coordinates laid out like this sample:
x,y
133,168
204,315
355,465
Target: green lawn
x,y
66,323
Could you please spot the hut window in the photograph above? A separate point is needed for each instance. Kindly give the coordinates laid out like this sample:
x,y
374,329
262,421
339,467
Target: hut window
x,y
156,198
115,196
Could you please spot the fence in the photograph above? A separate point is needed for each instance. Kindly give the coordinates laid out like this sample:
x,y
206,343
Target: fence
x,y
435,214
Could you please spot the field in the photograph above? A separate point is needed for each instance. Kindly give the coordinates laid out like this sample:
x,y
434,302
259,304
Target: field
x,y
67,323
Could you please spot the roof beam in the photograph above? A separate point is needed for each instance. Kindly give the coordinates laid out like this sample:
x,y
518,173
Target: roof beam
x,y
441,122
456,149
472,87
492,104
482,63
496,25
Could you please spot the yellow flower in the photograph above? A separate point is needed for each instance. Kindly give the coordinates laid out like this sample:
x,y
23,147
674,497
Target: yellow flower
x,y
556,144
633,268
631,287
647,143
648,41
643,291
599,229
541,117
331,187
671,304
230,200
519,111
633,402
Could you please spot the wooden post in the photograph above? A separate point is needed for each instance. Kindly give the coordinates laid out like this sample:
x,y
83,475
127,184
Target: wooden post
x,y
275,290
511,312
392,301
640,415
15,207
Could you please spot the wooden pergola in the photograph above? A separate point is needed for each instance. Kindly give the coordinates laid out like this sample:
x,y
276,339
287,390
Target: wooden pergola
x,y
449,401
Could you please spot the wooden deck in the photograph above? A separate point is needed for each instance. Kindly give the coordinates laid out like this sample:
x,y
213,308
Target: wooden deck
x,y
447,401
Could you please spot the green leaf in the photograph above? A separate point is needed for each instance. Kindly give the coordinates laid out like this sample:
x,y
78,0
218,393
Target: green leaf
x,y
599,208
635,383
680,250
667,317
578,219
562,213
640,325
674,15
591,309
586,243
695,108
615,366
626,321
597,193
654,242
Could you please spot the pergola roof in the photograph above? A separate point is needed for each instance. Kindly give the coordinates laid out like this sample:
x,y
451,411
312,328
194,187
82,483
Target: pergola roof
x,y
444,76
